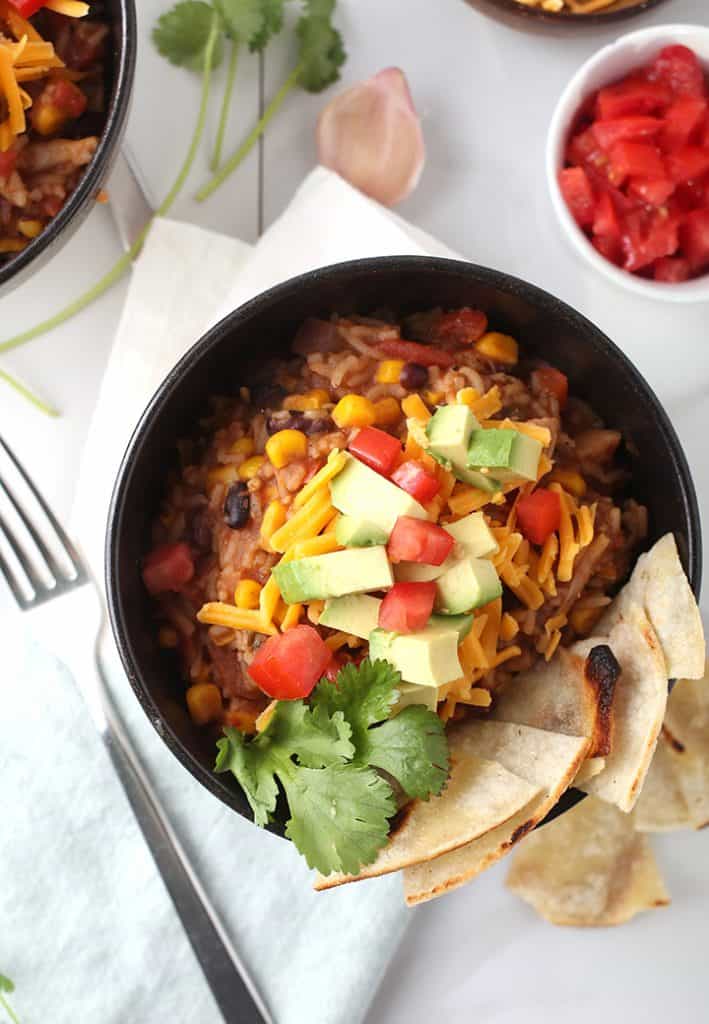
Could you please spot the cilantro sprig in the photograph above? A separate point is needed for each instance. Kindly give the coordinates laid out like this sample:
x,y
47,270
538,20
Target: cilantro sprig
x,y
328,756
193,34
7,987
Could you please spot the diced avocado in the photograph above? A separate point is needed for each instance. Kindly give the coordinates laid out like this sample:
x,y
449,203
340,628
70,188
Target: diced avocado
x,y
448,432
359,492
470,584
357,614
359,533
352,571
473,539
410,693
508,453
428,658
462,623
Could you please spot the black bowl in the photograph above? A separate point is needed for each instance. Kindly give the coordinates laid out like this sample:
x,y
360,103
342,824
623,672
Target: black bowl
x,y
120,73
231,352
510,11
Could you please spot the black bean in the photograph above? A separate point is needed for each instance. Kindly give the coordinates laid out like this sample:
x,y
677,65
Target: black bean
x,y
200,530
292,420
266,395
413,376
237,506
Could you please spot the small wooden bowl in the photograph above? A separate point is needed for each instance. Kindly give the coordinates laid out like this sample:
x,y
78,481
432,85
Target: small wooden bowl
x,y
510,10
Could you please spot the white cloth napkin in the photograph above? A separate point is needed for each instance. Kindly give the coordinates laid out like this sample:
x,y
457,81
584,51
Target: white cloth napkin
x,y
89,930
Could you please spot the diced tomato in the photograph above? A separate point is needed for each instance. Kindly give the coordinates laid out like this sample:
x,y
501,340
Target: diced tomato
x,y
679,68
609,247
578,194
672,269
648,236
539,515
413,478
68,97
653,191
690,196
605,219
623,128
168,567
407,607
417,540
8,160
288,666
695,239
413,352
376,449
637,159
553,381
584,148
461,326
682,119
634,95
27,7
688,163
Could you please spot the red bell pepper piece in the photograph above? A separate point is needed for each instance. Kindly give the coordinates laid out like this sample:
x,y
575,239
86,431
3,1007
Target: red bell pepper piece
x,y
413,352
539,515
168,567
377,449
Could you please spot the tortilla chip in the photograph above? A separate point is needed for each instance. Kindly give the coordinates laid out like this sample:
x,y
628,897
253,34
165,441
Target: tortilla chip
x,y
572,694
593,766
687,732
548,760
638,710
588,868
662,806
480,795
659,585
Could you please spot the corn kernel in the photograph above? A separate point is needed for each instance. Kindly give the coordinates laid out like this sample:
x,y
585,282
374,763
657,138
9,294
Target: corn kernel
x,y
47,119
204,703
167,637
354,411
244,446
249,469
415,407
247,594
314,399
467,396
570,480
222,475
500,347
285,446
388,371
30,228
273,518
387,411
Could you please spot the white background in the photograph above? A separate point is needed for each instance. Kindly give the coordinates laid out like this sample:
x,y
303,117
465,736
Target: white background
x,y
485,92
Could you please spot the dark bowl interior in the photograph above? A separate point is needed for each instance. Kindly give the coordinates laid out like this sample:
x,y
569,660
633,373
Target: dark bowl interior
x,y
231,353
510,12
119,73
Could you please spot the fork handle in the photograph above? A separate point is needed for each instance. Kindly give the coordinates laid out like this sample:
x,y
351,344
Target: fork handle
x,y
238,1001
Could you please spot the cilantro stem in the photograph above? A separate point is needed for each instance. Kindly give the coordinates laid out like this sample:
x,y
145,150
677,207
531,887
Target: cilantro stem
x,y
251,139
226,106
43,407
122,265
8,1010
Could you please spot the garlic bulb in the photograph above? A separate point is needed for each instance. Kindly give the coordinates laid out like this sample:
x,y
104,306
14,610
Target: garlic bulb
x,y
371,136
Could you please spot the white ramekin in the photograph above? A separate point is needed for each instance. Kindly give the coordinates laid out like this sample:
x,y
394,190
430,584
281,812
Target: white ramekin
x,y
608,65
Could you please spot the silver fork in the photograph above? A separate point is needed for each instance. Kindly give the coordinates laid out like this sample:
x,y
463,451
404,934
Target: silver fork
x,y
38,581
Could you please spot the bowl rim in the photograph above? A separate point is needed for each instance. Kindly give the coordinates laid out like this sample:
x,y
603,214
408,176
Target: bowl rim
x,y
215,336
49,239
568,18
695,290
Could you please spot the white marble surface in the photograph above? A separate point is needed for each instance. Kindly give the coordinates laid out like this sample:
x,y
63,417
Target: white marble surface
x,y
486,93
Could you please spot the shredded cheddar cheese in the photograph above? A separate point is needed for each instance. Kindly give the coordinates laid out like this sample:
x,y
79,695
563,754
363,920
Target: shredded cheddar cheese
x,y
336,461
216,613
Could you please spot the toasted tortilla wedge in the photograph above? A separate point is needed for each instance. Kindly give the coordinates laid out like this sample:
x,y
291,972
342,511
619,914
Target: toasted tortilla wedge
x,y
549,760
572,694
662,806
593,766
587,868
687,733
659,585
480,795
638,710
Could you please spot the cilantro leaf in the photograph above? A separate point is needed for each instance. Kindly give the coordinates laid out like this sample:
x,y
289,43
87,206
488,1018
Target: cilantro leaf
x,y
182,33
6,985
365,695
317,739
251,766
411,747
271,24
243,19
339,816
320,53
320,8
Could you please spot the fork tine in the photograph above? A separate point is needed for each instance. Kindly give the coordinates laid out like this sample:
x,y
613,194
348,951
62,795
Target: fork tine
x,y
70,550
46,554
38,585
12,583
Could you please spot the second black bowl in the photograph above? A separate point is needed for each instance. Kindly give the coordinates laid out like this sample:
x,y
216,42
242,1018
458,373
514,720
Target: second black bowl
x,y
223,360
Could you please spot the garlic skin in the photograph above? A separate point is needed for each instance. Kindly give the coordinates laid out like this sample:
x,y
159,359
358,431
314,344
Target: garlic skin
x,y
371,136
